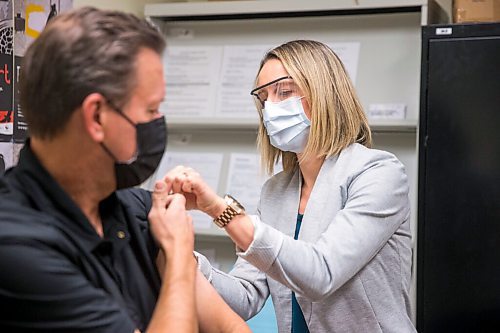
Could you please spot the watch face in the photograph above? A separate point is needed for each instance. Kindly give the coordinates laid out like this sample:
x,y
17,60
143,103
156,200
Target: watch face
x,y
234,204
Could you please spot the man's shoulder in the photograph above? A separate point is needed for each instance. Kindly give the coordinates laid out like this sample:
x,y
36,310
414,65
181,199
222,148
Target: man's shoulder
x,y
20,222
138,201
137,196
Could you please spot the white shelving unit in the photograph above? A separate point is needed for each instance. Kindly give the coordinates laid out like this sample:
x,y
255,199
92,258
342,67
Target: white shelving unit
x,y
179,125
281,8
388,70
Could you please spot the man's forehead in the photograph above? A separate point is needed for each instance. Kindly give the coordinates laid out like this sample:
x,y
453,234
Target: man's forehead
x,y
149,78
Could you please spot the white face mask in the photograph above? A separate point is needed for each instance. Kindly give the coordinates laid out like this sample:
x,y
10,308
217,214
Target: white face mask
x,y
286,124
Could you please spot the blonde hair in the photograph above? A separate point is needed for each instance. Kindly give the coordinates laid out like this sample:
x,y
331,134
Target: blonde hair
x,y
337,117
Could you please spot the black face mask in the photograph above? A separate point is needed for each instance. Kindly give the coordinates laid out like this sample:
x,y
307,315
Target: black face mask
x,y
151,143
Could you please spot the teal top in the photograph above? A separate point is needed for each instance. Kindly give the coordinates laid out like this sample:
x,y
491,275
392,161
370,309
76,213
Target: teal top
x,y
298,320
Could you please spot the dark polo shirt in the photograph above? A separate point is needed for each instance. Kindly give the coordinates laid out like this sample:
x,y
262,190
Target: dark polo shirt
x,y
56,273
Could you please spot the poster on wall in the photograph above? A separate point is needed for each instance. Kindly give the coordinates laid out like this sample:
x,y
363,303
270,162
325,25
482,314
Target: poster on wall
x,y
6,45
21,22
6,27
6,156
6,116
20,125
30,18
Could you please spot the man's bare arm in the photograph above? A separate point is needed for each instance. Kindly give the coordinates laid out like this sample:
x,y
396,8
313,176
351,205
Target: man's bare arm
x,y
214,315
175,310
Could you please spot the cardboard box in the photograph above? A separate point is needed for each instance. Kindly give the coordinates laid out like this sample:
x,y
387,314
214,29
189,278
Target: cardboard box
x,y
476,11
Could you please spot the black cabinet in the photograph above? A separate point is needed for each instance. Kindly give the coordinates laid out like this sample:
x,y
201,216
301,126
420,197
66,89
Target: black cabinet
x,y
458,258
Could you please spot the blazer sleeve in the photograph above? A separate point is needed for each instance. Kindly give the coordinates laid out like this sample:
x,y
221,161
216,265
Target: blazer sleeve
x,y
244,288
377,204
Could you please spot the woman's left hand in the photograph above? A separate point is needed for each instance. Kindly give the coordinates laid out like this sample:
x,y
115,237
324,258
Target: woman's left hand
x,y
198,194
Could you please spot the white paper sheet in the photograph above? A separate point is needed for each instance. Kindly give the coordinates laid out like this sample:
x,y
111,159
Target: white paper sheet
x,y
245,180
192,79
239,69
207,81
349,55
207,164
387,111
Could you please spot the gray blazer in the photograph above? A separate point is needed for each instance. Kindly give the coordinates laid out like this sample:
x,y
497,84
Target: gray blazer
x,y
350,267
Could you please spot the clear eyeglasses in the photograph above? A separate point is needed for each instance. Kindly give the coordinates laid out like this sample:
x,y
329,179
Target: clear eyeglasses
x,y
277,90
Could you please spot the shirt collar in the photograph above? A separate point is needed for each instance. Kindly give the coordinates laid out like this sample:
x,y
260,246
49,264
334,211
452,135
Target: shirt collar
x,y
50,197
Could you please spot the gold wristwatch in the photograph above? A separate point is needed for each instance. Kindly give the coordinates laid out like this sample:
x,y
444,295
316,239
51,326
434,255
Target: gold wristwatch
x,y
233,208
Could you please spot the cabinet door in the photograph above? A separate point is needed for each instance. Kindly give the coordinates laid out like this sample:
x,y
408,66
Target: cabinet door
x,y
459,225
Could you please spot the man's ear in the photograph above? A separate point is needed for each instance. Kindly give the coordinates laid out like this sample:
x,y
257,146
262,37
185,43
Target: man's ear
x,y
92,108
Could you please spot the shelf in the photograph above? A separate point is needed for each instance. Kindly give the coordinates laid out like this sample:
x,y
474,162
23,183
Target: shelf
x,y
396,126
176,125
388,71
277,8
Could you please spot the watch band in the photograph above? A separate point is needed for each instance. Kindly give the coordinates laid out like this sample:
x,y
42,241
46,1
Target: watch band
x,y
233,208
227,215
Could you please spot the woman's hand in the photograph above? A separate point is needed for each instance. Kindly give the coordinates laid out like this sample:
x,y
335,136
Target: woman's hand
x,y
198,194
170,224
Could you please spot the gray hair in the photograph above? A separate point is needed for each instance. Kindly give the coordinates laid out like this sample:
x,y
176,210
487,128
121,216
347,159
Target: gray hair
x,y
81,52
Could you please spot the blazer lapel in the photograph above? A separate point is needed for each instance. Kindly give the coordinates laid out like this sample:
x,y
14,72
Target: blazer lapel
x,y
316,216
285,213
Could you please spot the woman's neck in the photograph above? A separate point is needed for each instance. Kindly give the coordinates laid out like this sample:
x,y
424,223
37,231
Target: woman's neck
x,y
310,169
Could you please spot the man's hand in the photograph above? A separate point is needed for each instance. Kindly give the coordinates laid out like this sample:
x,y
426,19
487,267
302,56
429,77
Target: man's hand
x,y
170,224
172,228
198,194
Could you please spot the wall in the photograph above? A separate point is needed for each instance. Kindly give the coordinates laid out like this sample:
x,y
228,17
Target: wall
x,y
132,6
